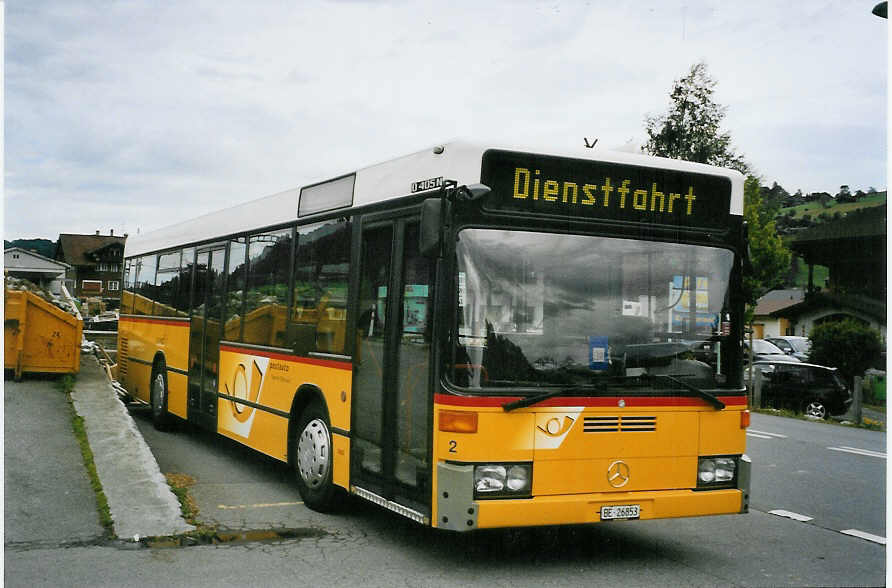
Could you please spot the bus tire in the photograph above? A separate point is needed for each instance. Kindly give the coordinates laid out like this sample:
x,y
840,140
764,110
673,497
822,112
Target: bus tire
x,y
158,396
311,449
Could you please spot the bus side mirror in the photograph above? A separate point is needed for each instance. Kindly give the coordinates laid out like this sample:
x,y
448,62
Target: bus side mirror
x,y
431,226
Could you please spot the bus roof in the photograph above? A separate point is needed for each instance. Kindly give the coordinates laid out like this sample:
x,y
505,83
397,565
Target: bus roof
x,y
458,160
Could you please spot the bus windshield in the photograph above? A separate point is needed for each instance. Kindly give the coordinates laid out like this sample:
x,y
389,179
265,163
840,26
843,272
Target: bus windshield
x,y
540,309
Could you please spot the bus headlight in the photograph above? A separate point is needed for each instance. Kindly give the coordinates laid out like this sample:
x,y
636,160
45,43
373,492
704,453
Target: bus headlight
x,y
718,471
503,480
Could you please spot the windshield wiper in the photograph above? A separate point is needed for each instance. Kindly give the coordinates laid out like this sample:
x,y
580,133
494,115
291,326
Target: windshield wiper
x,y
531,400
714,401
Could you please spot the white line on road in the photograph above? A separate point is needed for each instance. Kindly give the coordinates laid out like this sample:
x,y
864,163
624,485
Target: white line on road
x,y
790,515
778,435
857,451
758,436
863,535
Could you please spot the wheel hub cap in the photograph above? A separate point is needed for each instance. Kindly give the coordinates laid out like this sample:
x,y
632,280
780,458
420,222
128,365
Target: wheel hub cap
x,y
158,388
313,453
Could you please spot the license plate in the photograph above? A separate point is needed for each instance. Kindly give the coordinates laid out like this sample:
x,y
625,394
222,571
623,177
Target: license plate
x,y
614,513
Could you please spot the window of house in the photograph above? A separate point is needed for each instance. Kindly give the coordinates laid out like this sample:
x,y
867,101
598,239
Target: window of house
x,y
91,286
114,285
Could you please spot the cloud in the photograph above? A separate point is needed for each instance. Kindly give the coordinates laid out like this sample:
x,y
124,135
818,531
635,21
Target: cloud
x,y
141,112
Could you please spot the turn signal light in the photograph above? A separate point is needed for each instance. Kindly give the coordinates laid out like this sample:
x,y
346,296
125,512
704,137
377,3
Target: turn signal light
x,y
744,419
455,421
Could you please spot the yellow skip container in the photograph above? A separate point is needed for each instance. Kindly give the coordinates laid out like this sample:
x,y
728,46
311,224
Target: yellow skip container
x,y
38,336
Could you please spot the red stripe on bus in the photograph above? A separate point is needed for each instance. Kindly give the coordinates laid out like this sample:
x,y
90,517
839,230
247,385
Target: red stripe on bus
x,y
176,322
340,365
634,401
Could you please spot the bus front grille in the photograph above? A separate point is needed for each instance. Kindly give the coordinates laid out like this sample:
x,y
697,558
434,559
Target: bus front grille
x,y
619,424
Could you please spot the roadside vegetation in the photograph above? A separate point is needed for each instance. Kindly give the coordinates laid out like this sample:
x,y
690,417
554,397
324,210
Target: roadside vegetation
x,y
866,422
203,534
179,485
815,208
66,385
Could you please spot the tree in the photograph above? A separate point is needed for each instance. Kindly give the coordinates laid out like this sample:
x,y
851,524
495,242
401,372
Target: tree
x,y
773,197
824,198
848,345
844,194
792,199
769,258
690,129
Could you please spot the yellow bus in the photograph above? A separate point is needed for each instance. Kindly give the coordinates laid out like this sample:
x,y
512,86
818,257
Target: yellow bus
x,y
471,336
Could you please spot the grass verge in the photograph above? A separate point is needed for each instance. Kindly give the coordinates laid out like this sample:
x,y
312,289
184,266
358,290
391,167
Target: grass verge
x,y
866,423
66,385
180,485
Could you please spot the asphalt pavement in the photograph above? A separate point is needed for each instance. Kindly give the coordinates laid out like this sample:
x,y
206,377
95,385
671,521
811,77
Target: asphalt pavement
x,y
48,498
47,493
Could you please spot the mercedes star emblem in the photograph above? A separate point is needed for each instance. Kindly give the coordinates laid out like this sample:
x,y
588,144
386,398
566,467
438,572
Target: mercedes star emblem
x,y
618,474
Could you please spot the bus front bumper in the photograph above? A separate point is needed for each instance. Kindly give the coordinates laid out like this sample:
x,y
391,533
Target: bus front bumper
x,y
458,511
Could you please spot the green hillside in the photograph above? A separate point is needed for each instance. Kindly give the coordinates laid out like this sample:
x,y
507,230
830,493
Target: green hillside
x,y
43,247
813,209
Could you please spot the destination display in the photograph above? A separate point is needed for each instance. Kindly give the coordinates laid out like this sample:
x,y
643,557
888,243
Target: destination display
x,y
576,188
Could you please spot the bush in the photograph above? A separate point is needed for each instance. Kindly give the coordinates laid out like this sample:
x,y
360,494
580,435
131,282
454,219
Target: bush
x,y
847,345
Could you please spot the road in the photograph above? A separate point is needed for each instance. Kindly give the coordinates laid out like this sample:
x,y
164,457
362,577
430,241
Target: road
x,y
833,475
794,470
277,541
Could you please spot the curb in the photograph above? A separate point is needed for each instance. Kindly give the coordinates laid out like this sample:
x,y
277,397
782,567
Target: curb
x,y
139,498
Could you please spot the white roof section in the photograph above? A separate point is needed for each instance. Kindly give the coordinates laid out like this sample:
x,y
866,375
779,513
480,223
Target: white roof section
x,y
18,259
458,160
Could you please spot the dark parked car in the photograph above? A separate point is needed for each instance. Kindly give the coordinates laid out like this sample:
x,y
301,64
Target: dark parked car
x,y
815,390
798,347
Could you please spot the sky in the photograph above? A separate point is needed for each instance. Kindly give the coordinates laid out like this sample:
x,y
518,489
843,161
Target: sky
x,y
133,115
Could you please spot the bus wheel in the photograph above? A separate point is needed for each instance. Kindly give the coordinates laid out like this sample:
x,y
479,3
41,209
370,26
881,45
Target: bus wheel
x,y
312,454
816,410
160,416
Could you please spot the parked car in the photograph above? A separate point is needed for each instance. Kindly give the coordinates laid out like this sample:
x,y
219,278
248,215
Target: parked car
x,y
815,390
798,347
764,350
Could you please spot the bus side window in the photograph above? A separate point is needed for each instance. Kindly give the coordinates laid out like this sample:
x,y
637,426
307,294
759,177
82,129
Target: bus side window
x,y
235,287
318,319
266,296
181,296
167,284
144,285
127,292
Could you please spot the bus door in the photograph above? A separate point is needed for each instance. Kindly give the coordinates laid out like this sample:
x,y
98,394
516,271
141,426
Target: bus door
x,y
392,402
204,336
